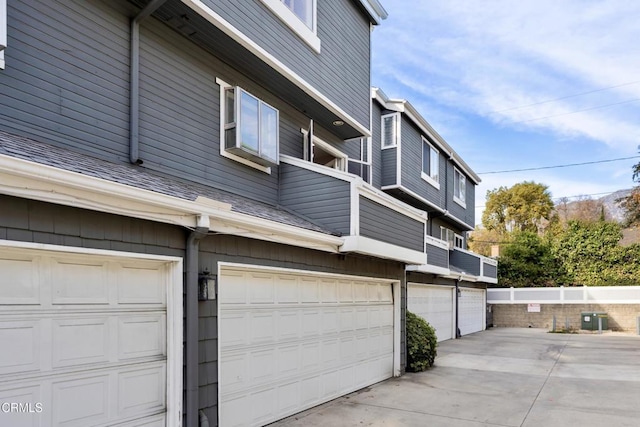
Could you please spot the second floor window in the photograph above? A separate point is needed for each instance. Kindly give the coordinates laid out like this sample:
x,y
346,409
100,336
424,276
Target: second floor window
x,y
250,127
390,130
303,9
459,188
430,164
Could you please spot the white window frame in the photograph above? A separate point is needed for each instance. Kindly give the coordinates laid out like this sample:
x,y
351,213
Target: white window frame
x,y
396,130
434,181
447,235
458,241
297,25
461,181
3,31
223,151
364,161
342,160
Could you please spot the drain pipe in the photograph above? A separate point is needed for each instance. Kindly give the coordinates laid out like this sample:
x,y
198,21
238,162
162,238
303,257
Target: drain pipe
x,y
458,335
134,81
191,312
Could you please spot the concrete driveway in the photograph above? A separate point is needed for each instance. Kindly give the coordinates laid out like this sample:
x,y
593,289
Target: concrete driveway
x,y
503,377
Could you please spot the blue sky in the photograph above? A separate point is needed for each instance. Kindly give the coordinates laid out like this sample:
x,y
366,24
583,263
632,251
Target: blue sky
x,y
521,84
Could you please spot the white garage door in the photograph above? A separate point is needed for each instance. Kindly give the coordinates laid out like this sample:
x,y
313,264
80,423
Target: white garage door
x,y
292,340
472,310
84,338
435,304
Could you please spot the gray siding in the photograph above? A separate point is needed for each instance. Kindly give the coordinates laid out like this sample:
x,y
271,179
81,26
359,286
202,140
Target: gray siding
x,y
468,263
376,147
437,256
465,214
319,198
63,86
384,224
389,166
345,45
490,270
411,167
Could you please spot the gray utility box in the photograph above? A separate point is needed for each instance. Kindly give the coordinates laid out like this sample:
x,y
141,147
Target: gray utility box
x,y
590,321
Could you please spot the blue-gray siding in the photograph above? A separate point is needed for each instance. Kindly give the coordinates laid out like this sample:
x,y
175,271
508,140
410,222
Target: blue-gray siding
x,y
411,167
67,80
468,263
437,256
319,198
344,33
389,166
490,270
465,214
381,223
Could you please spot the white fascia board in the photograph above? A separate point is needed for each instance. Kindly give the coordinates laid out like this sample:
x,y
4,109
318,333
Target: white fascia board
x,y
376,248
422,123
415,196
486,279
375,11
469,227
386,200
426,268
22,178
304,164
207,13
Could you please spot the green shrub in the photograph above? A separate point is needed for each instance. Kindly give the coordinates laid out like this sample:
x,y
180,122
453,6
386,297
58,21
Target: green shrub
x,y
421,343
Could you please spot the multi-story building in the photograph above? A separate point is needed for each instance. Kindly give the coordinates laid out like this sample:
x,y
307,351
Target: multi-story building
x,y
195,221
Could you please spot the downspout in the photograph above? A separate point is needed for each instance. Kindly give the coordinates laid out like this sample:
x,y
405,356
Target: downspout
x,y
458,335
134,81
191,313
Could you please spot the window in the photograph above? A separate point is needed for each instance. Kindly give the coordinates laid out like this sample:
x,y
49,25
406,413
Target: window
x,y
459,188
250,127
362,166
322,153
390,130
430,164
455,240
299,16
303,9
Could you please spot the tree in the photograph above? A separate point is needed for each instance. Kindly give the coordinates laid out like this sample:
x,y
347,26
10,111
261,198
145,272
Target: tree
x,y
481,240
523,207
631,203
591,254
527,260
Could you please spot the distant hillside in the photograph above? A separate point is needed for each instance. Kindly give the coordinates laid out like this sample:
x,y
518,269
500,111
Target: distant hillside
x,y
582,209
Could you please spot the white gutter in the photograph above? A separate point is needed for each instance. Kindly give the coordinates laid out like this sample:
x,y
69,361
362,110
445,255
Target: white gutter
x,y
27,179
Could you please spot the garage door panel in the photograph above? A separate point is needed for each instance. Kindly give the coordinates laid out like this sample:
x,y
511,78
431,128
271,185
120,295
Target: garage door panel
x,y
313,348
141,336
20,273
138,284
81,402
435,304
79,282
24,352
472,310
141,390
22,395
80,341
83,340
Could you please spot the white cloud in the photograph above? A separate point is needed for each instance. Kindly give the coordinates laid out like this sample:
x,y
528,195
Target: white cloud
x,y
487,57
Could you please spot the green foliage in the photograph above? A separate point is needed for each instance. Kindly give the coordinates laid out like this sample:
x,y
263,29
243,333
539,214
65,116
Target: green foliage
x,y
421,343
592,255
522,207
631,203
527,260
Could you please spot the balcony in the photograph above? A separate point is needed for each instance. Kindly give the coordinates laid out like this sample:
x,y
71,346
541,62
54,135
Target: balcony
x,y
466,262
370,221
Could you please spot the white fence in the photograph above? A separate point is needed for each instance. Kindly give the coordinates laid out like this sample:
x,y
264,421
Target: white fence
x,y
562,295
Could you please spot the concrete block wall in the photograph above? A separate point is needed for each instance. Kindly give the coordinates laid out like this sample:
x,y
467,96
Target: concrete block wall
x,y
622,317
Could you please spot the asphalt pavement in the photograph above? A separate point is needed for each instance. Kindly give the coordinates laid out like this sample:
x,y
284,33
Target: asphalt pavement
x,y
503,377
